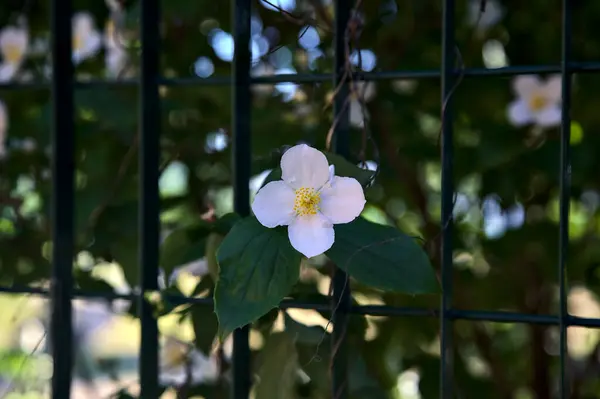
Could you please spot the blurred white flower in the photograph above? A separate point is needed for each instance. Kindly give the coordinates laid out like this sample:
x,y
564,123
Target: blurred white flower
x,y
537,102
112,39
260,70
113,5
494,55
197,268
13,47
257,181
492,14
181,363
405,86
115,60
86,38
365,91
303,110
89,317
3,128
515,216
116,53
309,199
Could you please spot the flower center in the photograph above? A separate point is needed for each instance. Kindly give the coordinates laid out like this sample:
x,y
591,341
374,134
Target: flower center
x,y
307,201
12,53
537,102
174,355
77,42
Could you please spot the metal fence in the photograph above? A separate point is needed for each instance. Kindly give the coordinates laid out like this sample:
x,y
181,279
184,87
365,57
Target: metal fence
x,y
62,200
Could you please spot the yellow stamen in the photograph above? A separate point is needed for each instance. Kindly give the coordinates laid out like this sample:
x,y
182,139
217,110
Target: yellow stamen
x,y
307,201
77,42
12,53
173,353
110,28
537,102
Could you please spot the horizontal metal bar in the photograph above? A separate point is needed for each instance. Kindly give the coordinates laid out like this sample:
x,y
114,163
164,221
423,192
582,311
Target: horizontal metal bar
x,y
371,310
574,321
503,317
575,67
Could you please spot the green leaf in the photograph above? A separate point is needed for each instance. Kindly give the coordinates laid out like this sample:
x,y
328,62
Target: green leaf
x,y
257,268
382,257
123,394
88,283
125,254
108,108
313,335
163,305
213,242
226,223
361,382
205,326
342,168
278,368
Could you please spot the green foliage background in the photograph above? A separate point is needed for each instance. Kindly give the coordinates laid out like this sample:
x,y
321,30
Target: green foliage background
x,y
515,271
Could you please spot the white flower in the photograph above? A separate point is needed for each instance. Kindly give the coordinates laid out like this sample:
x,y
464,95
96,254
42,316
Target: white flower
x,y
115,60
3,128
262,70
309,199
492,14
113,5
364,93
405,86
111,39
86,39
116,53
180,362
13,46
89,317
538,102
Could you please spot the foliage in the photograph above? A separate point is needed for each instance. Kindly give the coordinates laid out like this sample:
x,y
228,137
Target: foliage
x,y
505,232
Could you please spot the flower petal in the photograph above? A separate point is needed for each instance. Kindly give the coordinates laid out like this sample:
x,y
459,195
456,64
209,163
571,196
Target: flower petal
x,y
366,90
357,114
553,88
7,71
343,201
83,22
331,173
519,114
13,36
274,204
90,47
93,42
311,235
115,61
549,116
304,166
525,85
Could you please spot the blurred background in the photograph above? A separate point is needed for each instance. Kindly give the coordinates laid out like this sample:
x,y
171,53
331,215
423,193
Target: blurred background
x,y
506,208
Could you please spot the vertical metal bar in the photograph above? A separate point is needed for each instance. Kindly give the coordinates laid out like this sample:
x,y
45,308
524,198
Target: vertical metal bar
x,y
241,153
448,61
63,166
565,191
341,298
149,222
